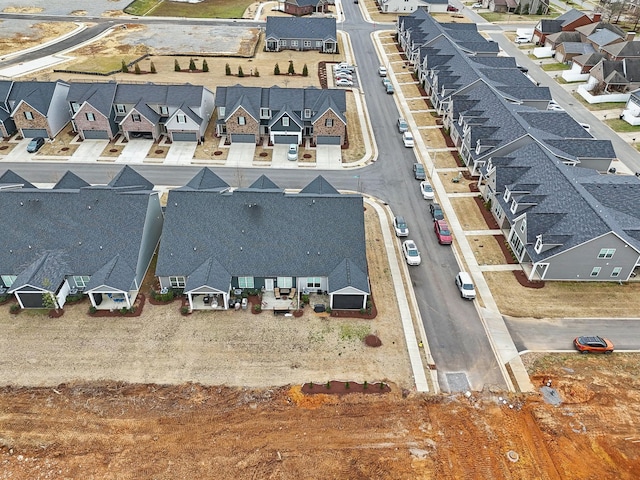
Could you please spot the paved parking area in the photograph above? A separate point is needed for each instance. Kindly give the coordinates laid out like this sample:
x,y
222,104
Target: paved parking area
x,y
135,151
180,153
89,150
328,156
241,155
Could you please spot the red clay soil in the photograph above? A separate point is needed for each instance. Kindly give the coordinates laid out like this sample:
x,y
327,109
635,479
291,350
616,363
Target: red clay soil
x,y
372,341
343,388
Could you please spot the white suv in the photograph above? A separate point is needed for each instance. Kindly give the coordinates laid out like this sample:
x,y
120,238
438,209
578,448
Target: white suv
x,y
465,286
382,71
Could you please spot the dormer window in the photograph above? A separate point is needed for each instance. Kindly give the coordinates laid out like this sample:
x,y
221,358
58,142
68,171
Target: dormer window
x,y
75,107
523,225
538,246
285,121
506,195
221,111
478,148
514,206
164,110
307,113
265,113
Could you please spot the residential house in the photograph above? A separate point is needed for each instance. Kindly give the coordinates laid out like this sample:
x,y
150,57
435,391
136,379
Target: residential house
x,y
408,6
92,110
567,51
580,67
283,115
567,22
614,33
622,50
39,109
181,112
305,7
295,33
219,241
556,39
78,238
564,223
619,76
608,35
631,112
7,125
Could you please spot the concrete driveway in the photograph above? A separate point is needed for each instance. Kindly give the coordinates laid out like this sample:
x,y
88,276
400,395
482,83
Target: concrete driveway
x,y
328,157
241,155
19,152
180,153
135,151
89,151
279,158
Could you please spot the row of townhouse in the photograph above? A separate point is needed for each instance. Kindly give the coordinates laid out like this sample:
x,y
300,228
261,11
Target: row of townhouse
x,y
99,240
178,112
492,110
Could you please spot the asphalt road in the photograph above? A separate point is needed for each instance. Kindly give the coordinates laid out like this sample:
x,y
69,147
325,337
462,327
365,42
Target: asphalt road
x,y
558,334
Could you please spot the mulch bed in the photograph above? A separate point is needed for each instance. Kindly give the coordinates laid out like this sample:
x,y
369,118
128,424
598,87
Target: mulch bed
x,y
53,313
372,341
525,282
344,388
138,305
153,301
356,313
505,249
486,214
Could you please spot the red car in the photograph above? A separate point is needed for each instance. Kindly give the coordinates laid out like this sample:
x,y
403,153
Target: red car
x,y
593,344
451,8
442,232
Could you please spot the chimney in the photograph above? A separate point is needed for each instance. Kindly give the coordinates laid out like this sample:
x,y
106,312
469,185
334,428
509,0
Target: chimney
x,y
596,17
630,36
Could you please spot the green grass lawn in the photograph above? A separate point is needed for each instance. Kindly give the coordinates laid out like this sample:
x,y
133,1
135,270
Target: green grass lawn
x,y
599,106
618,125
205,9
553,67
102,64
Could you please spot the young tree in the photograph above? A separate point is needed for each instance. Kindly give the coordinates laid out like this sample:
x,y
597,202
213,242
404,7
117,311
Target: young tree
x,y
256,73
305,71
205,66
240,72
153,68
276,69
136,69
227,69
291,70
124,67
176,66
192,64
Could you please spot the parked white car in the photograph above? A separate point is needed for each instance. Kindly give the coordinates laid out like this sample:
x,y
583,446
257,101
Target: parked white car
x,y
465,286
292,154
407,139
382,71
476,5
426,190
346,66
411,253
523,40
553,105
343,82
586,126
402,125
400,226
348,76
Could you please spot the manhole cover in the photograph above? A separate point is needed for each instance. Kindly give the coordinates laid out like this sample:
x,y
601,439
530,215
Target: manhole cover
x,y
457,382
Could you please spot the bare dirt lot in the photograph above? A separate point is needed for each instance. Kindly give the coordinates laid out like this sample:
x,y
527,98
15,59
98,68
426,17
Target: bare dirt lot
x,y
111,430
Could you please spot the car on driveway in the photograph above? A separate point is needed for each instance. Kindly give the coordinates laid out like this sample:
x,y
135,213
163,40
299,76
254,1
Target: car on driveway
x,y
451,8
465,286
442,232
343,82
400,226
476,5
402,125
411,253
35,144
593,344
426,190
436,211
523,40
407,139
292,154
418,171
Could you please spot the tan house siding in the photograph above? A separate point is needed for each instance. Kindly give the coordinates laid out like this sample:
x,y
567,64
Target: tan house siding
x,y
100,123
251,126
144,125
39,120
338,128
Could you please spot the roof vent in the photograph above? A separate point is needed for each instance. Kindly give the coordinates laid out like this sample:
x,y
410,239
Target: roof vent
x,y
100,247
29,247
318,253
79,243
89,207
21,204
307,253
194,249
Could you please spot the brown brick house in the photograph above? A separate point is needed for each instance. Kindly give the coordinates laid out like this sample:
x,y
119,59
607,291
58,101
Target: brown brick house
x,y
39,108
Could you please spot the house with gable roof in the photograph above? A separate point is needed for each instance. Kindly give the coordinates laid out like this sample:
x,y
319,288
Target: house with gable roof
x,y
562,222
301,34
263,238
76,238
38,109
283,115
7,125
92,110
306,7
614,76
567,22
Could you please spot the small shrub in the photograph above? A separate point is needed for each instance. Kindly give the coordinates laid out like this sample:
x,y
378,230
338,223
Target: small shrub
x,y
240,72
276,69
152,67
136,69
192,64
176,66
124,311
257,308
365,385
310,385
205,66
184,310
328,385
305,71
15,308
227,70
92,309
124,67
381,385
256,73
305,299
291,70
328,310
346,385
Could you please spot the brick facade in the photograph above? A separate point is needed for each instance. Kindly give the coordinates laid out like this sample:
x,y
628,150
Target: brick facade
x,y
100,123
252,126
144,125
338,128
39,120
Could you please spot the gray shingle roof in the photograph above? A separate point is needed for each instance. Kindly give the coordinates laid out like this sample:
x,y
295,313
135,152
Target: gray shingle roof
x,y
98,95
11,178
301,27
74,231
578,48
36,94
264,232
623,49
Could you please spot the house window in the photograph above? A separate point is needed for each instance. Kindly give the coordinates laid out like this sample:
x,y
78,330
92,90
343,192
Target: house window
x,y
318,43
498,209
28,115
523,225
136,117
90,116
181,118
518,246
121,109
284,282
294,43
177,282
264,113
595,272
164,110
285,121
8,280
328,122
514,206
313,282
242,121
307,113
282,43
75,107
81,281
245,282
221,111
307,43
538,246
506,195
606,253
616,272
